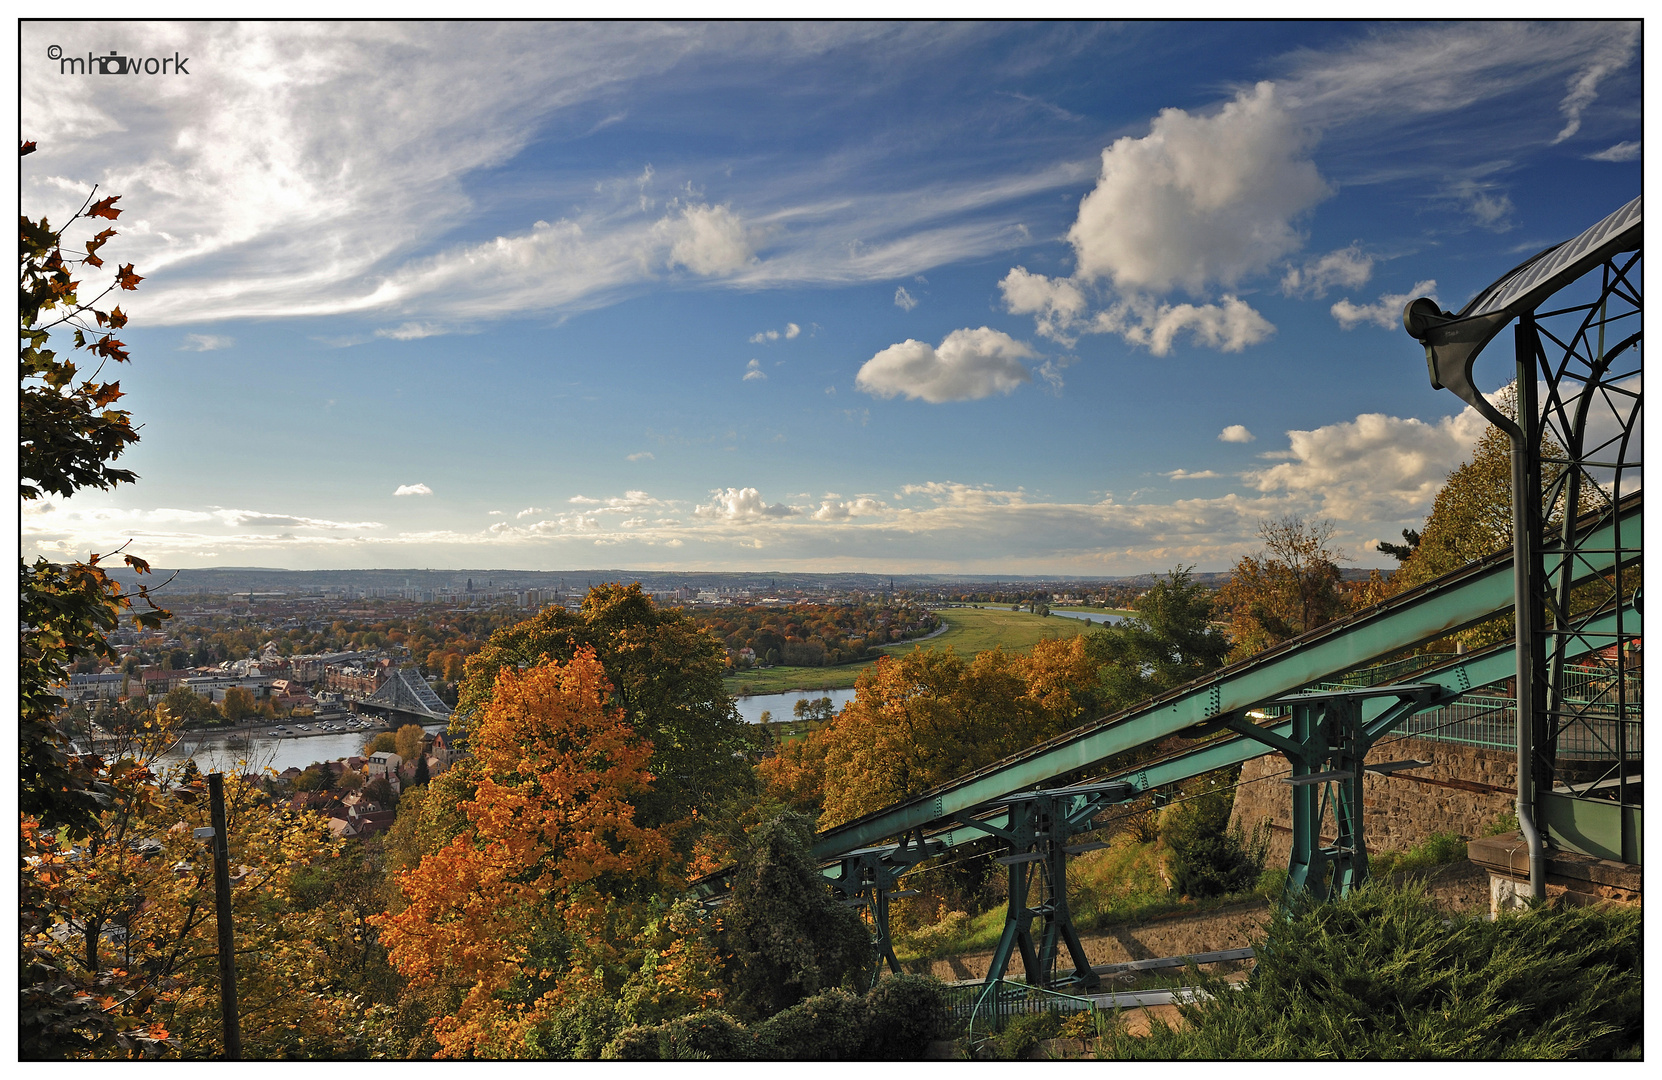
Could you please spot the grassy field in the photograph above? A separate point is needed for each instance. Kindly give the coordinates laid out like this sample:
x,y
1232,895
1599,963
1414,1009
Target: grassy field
x,y
969,631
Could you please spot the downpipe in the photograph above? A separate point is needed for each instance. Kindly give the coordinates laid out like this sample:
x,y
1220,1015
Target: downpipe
x,y
1525,499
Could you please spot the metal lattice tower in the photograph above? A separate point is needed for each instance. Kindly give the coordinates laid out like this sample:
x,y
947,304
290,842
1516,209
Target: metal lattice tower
x,y
1577,310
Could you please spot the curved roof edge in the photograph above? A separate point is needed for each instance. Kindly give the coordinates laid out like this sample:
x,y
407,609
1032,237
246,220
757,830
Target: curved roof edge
x,y
1521,289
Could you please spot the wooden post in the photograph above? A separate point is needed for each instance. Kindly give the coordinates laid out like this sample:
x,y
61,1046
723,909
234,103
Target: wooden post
x,y
222,909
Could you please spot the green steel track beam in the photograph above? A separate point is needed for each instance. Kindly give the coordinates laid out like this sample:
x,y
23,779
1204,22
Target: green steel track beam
x,y
1468,672
1434,610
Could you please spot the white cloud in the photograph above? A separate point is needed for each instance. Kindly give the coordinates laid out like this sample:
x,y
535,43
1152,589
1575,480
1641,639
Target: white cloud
x,y
1583,87
968,364
792,330
413,489
836,509
496,513
206,342
410,331
741,504
1235,433
1229,326
1386,312
1056,304
530,511
255,518
1375,467
643,455
1199,199
1348,267
762,336
1184,474
903,299
753,370
1622,151
708,240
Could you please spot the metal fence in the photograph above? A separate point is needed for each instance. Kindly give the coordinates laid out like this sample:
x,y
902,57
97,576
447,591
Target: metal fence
x,y
974,1011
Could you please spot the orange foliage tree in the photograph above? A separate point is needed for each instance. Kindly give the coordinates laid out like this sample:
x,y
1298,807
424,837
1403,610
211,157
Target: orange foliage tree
x,y
921,719
534,904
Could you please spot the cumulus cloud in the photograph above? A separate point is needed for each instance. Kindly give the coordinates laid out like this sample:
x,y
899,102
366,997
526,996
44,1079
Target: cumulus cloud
x,y
753,370
1386,312
708,240
642,455
1199,199
1235,433
413,489
968,364
1056,304
530,511
206,342
1229,326
1622,151
1348,267
792,330
903,299
741,504
1200,202
1583,87
838,509
1375,467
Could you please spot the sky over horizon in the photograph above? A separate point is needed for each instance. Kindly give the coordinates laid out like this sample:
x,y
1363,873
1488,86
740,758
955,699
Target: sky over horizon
x,y
1081,299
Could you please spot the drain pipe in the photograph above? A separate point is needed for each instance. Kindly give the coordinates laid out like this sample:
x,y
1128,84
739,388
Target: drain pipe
x,y
1451,344
1527,600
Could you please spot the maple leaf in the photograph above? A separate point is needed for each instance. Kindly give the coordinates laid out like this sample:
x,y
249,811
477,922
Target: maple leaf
x,y
105,208
125,277
26,149
118,318
93,260
105,395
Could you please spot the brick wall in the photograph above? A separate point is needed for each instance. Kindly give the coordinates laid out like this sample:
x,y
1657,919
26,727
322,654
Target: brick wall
x,y
1397,811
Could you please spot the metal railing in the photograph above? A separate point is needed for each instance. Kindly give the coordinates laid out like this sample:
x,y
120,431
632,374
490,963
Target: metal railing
x,y
978,1011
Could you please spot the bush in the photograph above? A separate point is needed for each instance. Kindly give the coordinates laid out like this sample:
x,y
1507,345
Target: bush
x,y
1023,1033
902,1014
1208,857
1438,849
578,1033
634,1043
826,1027
1386,974
710,1035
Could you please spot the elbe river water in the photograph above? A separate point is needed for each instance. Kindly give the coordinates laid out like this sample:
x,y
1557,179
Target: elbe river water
x,y
222,751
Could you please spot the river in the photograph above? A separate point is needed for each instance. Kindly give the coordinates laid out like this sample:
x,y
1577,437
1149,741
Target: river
x,y
221,750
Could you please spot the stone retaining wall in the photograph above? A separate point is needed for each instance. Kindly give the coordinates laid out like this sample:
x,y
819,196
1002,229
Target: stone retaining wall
x,y
1398,811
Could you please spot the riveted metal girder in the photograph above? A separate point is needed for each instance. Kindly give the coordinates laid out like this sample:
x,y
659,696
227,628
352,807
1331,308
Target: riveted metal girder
x,y
1462,673
1434,610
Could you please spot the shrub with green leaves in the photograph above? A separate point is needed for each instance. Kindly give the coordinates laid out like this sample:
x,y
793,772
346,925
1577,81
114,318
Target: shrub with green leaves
x,y
826,1027
902,1014
1385,973
1208,857
709,1035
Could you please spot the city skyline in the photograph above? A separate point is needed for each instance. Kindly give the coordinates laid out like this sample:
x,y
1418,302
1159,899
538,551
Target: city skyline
x,y
1068,299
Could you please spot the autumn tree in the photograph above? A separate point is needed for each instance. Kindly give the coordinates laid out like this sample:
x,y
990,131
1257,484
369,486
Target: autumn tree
x,y
1287,588
69,433
239,704
127,916
529,906
922,719
666,676
407,742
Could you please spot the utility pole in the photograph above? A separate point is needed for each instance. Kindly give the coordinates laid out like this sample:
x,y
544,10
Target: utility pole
x,y
222,909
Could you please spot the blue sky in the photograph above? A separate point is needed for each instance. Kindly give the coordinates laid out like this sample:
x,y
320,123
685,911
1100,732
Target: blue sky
x,y
980,298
